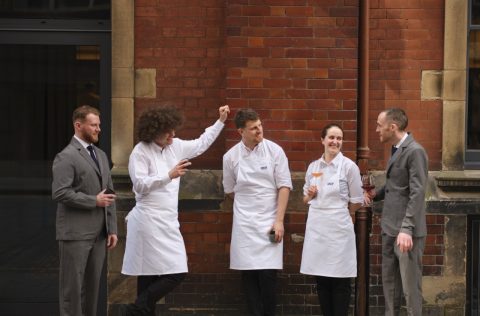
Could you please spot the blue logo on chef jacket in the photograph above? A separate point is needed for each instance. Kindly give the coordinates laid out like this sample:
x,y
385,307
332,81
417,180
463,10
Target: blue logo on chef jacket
x,y
263,168
330,183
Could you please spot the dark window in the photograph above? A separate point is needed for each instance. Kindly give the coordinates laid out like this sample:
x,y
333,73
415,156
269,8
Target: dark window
x,y
55,9
475,12
40,87
49,67
472,148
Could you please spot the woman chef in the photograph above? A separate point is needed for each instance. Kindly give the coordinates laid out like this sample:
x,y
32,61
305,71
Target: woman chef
x,y
155,250
332,188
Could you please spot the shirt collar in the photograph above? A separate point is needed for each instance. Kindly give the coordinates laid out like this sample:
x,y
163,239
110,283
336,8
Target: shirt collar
x,y
401,140
82,142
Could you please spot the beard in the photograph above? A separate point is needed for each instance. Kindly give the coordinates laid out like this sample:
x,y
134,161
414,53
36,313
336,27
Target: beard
x,y
90,138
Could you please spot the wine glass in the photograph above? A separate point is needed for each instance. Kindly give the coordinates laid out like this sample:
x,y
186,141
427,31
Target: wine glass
x,y
368,182
316,177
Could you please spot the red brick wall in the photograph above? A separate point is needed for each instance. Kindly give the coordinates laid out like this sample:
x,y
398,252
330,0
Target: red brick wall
x,y
211,284
406,38
183,40
295,61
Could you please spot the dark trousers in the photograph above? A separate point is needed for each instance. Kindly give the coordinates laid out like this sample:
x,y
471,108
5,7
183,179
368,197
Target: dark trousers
x,y
259,287
151,288
334,295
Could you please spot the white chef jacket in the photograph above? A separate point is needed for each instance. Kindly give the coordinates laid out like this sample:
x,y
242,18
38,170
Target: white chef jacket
x,y
329,245
154,244
255,177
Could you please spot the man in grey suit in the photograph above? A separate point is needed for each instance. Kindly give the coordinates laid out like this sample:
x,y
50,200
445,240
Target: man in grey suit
x,y
403,216
86,219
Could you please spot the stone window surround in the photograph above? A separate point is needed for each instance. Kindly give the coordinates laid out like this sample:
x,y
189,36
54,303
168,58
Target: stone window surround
x,y
123,83
454,95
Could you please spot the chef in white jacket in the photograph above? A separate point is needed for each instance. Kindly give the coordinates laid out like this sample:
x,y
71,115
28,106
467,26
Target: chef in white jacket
x,y
155,250
333,188
256,176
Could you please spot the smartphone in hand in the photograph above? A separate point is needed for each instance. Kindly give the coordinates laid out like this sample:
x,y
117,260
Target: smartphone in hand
x,y
271,236
109,191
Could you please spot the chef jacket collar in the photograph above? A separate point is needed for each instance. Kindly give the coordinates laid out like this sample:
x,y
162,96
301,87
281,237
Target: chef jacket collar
x,y
334,163
247,151
158,148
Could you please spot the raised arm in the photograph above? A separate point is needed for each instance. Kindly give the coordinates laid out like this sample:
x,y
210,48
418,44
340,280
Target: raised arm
x,y
193,148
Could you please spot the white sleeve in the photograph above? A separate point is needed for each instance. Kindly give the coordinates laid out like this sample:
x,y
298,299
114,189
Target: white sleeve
x,y
282,171
193,148
308,178
354,183
144,182
228,175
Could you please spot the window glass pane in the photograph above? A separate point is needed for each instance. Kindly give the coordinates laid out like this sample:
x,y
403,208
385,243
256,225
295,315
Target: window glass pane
x,y
39,88
475,12
473,113
47,82
55,9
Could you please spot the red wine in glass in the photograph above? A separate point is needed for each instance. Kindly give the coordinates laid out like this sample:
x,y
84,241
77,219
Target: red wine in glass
x,y
367,182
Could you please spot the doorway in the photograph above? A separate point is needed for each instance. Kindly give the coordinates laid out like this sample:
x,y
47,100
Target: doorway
x,y
46,73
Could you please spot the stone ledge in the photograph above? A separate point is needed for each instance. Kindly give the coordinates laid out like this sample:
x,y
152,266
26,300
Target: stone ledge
x,y
466,180
201,190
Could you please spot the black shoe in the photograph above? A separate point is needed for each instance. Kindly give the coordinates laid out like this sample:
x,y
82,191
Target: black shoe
x,y
122,310
134,310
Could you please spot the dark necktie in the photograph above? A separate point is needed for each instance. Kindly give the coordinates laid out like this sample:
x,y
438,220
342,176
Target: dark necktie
x,y
394,149
92,154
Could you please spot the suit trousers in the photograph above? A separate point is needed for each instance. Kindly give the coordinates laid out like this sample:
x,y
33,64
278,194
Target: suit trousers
x,y
402,270
81,264
334,295
259,287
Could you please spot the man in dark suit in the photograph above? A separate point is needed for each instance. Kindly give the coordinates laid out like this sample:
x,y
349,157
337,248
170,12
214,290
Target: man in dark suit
x,y
403,216
86,219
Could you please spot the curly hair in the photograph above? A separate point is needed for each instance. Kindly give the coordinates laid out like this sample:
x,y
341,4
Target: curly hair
x,y
156,121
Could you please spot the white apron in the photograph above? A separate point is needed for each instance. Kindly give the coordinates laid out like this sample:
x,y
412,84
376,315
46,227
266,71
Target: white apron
x,y
329,247
154,243
254,212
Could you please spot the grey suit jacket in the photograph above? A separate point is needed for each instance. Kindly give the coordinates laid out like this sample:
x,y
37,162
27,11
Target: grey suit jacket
x,y
404,191
76,183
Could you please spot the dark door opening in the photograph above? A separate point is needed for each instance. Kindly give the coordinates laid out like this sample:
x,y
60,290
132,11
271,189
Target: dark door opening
x,y
45,75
